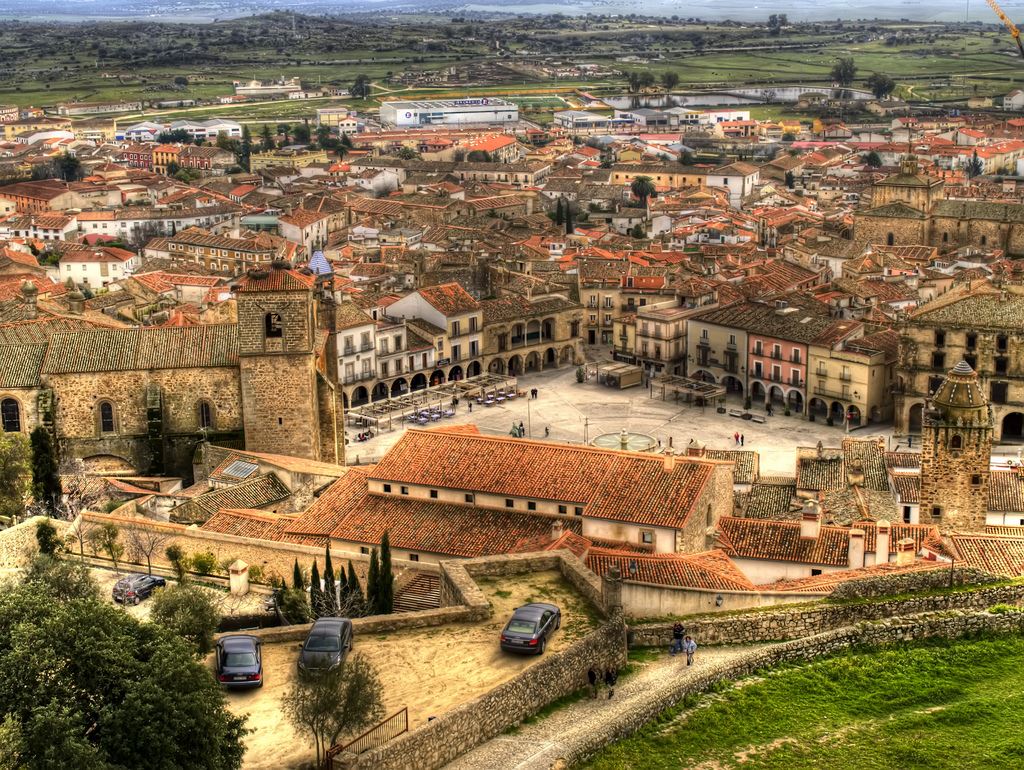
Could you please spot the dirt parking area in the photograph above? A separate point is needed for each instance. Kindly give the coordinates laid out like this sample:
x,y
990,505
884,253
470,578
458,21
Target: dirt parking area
x,y
225,602
429,671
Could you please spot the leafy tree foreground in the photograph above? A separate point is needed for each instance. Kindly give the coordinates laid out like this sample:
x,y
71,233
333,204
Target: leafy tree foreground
x,y
85,685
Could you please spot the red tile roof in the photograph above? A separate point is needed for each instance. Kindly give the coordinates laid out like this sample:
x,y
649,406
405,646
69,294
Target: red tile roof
x,y
711,570
449,299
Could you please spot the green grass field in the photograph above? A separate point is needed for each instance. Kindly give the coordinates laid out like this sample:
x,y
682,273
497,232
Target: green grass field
x,y
935,705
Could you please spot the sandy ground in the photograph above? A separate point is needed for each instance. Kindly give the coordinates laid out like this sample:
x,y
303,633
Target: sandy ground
x,y
427,670
227,604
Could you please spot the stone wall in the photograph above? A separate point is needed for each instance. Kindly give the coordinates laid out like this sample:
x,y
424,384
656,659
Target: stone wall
x,y
943,624
270,556
458,731
912,582
18,543
799,621
649,600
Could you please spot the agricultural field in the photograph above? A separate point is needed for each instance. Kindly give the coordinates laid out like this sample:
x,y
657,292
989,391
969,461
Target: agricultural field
x,y
936,705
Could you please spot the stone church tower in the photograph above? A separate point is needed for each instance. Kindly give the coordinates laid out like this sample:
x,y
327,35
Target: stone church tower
x,y
277,358
956,446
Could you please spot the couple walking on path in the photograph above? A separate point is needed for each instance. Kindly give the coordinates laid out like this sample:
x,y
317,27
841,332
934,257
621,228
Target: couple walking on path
x,y
682,642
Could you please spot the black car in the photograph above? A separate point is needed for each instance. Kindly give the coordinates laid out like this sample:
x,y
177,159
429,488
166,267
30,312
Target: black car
x,y
240,661
328,643
132,589
530,627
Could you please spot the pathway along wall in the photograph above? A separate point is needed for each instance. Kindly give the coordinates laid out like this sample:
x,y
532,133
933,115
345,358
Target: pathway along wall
x,y
948,625
801,621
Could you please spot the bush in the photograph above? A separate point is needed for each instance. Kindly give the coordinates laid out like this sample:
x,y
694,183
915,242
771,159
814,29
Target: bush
x,y
294,606
204,562
60,580
256,574
189,612
747,403
1005,609
179,561
46,538
581,374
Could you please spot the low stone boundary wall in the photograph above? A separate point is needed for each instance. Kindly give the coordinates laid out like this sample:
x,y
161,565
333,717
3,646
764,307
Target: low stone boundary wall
x,y
798,622
949,625
462,729
18,543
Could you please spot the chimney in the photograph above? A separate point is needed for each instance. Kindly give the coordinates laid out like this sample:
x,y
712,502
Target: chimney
x,y
856,548
883,536
855,473
30,293
810,520
556,529
670,462
76,302
905,552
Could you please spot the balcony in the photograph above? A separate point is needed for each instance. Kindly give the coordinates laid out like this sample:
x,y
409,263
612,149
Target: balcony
x,y
830,393
846,377
349,379
777,355
349,351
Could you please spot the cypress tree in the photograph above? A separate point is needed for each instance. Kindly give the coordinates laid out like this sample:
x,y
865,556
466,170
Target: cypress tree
x,y
372,583
385,580
569,227
46,489
297,581
559,214
330,594
316,593
356,601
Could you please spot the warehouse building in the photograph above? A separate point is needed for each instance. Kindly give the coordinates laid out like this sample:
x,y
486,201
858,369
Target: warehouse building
x,y
448,112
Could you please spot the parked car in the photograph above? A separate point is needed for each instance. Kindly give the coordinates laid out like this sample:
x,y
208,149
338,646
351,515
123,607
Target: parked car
x,y
327,645
240,661
132,589
530,627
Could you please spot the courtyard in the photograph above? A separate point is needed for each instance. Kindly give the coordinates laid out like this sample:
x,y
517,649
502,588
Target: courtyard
x,y
427,670
568,411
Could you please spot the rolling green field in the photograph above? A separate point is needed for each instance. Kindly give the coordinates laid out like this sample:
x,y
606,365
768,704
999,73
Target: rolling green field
x,y
934,705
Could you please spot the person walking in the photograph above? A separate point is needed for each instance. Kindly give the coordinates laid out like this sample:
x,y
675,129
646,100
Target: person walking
x,y
689,647
592,679
547,431
736,438
611,676
743,440
470,406
677,638
522,430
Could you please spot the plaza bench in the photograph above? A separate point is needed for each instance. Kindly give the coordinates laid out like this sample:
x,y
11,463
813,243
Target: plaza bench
x,y
757,418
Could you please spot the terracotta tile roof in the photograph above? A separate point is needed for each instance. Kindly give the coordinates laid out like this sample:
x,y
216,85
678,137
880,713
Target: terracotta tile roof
x,y
138,349
257,492
745,463
276,280
902,460
907,486
819,473
20,365
1006,492
998,554
711,570
1004,529
769,501
347,511
611,485
247,522
449,299
870,454
826,582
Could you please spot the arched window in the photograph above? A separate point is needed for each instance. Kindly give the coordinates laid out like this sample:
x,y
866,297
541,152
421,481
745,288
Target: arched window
x,y
984,240
945,237
10,414
272,325
957,442
889,239
107,424
205,414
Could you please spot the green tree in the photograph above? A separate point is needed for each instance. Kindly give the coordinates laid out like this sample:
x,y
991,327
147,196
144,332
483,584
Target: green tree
x,y
361,87
46,538
880,85
686,158
669,80
334,703
300,134
355,592
372,583
60,580
179,561
294,605
559,213
790,180
70,167
385,579
642,188
106,538
173,168
297,581
844,71
316,591
86,685
46,489
789,136
407,153
974,166
478,156
330,586
873,159
245,148
570,227
638,232
15,474
188,611
267,138
633,82
284,130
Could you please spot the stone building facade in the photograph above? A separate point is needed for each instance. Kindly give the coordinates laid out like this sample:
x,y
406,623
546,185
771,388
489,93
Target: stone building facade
x,y
909,208
956,446
979,324
527,335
